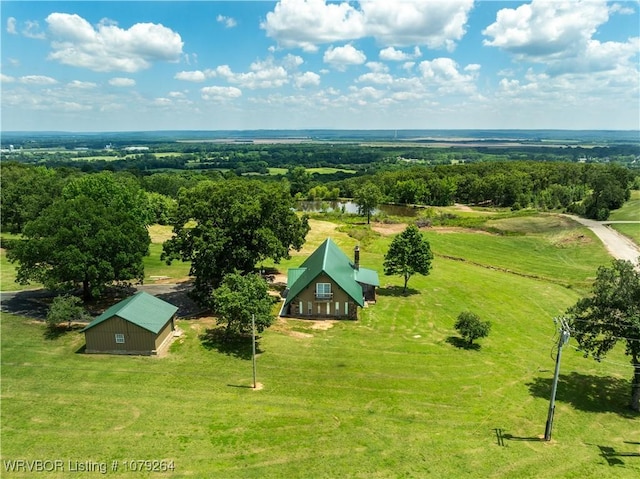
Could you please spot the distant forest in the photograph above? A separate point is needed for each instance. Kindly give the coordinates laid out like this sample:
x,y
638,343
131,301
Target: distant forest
x,y
586,180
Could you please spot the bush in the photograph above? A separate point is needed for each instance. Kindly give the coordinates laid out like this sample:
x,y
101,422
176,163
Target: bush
x,y
65,308
471,327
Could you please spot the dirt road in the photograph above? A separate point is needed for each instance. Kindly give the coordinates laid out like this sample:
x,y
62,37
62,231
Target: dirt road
x,y
618,245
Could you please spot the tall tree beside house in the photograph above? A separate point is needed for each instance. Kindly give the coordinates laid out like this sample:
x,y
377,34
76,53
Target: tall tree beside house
x,y
232,225
367,198
93,235
408,254
239,298
611,314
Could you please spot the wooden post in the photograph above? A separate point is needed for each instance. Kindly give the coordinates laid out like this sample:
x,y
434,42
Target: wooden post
x,y
253,345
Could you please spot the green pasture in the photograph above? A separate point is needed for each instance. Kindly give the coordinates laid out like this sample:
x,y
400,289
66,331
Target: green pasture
x,y
392,395
630,211
630,230
328,171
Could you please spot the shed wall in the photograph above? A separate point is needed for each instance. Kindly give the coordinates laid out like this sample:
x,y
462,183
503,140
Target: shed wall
x,y
137,340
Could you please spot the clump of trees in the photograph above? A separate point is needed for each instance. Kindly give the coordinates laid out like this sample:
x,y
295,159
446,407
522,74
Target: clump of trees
x,y
609,315
94,234
367,198
227,226
471,327
409,253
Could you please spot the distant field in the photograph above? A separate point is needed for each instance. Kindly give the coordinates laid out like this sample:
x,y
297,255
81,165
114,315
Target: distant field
x,y
328,171
390,395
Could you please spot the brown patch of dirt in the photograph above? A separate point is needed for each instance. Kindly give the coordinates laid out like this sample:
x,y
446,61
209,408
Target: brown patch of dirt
x,y
323,325
570,239
388,229
462,207
458,229
299,335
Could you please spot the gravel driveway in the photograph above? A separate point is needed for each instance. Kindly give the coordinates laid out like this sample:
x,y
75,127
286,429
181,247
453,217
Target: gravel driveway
x,y
618,245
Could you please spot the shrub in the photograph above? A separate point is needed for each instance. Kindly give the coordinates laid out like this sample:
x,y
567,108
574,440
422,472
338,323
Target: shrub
x,y
471,327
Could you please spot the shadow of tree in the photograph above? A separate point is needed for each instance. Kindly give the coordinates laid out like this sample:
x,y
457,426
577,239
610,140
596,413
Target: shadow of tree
x,y
238,346
588,393
52,333
396,291
462,344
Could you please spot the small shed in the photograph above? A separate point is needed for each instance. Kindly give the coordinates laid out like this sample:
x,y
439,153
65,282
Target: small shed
x,y
140,324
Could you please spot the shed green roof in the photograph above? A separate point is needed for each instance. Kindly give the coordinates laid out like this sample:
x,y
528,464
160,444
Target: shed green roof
x,y
330,259
141,309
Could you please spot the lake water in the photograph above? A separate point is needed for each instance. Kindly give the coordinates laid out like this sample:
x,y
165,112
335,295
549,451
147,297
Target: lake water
x,y
352,208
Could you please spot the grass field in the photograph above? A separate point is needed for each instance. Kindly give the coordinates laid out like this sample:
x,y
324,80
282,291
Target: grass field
x,y
630,211
391,395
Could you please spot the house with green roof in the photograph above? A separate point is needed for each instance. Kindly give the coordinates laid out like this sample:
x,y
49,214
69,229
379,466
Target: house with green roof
x,y
329,285
140,324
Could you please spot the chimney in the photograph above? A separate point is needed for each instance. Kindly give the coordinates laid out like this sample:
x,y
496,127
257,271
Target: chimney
x,y
356,257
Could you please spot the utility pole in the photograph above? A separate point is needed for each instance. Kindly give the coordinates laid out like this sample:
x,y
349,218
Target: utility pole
x,y
253,345
564,337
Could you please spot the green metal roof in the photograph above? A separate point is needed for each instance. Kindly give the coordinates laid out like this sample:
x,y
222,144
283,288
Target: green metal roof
x,y
330,259
141,309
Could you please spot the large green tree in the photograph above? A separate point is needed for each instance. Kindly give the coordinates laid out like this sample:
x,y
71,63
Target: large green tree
x,y
239,298
408,254
93,235
232,225
25,191
611,314
367,198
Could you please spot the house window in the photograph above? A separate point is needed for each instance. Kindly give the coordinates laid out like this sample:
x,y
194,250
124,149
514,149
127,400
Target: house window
x,y
346,308
337,308
323,290
119,338
309,307
300,310
328,309
319,308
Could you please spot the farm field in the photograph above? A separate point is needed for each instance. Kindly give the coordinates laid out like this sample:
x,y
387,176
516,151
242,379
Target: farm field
x,y
391,395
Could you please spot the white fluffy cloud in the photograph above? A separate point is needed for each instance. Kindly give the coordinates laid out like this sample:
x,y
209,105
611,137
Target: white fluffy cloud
x,y
444,74
38,80
307,23
11,26
220,93
306,79
391,54
6,78
560,35
228,22
341,57
108,47
544,29
193,76
122,82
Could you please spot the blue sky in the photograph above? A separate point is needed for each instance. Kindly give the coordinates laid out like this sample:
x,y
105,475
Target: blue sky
x,y
296,64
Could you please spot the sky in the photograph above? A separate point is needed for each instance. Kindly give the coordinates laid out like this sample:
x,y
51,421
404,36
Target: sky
x,y
306,64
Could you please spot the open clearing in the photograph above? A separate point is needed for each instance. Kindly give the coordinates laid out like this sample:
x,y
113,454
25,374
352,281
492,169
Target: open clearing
x,y
391,395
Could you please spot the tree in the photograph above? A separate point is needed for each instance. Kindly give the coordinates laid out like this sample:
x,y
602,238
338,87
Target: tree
x,y
26,191
611,314
471,327
239,298
93,235
367,198
65,308
232,225
299,179
408,254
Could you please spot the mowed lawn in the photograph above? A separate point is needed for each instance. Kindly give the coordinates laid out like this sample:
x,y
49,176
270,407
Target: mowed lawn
x,y
630,211
391,395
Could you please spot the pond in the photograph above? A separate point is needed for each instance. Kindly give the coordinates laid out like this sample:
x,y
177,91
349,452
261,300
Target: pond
x,y
352,208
